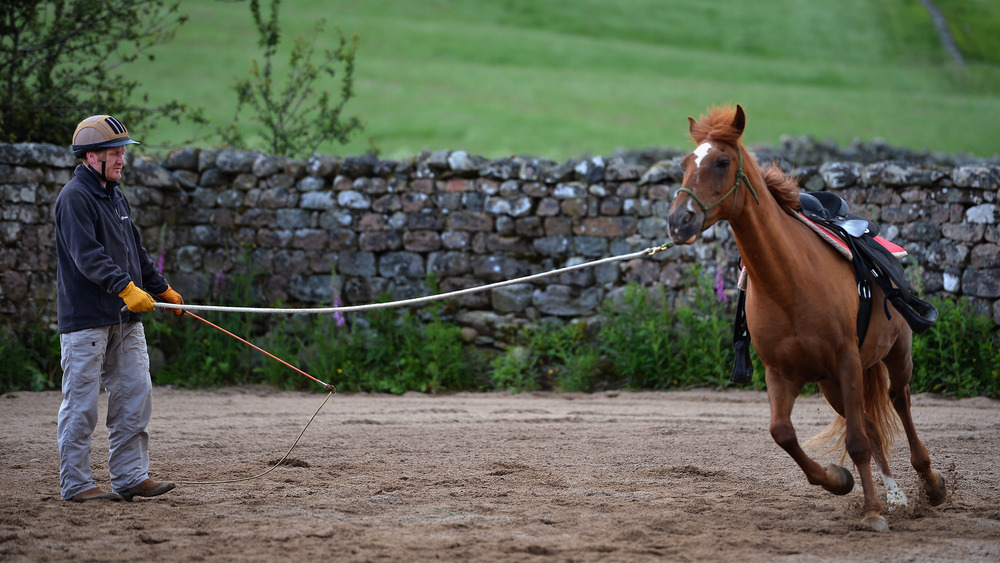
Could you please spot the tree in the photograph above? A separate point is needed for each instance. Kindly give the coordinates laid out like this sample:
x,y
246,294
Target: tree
x,y
61,61
295,120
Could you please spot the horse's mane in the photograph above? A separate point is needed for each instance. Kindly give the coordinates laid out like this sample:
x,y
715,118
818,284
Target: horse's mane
x,y
717,125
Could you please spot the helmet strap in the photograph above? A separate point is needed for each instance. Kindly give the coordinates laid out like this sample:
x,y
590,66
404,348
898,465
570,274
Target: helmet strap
x,y
104,164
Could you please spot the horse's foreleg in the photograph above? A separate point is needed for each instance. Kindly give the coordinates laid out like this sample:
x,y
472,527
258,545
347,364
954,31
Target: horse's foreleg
x,y
782,395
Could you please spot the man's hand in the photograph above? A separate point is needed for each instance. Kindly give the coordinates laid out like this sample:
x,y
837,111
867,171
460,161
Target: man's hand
x,y
137,300
171,296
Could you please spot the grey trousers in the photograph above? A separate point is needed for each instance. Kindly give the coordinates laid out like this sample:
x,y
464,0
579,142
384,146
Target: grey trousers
x,y
114,357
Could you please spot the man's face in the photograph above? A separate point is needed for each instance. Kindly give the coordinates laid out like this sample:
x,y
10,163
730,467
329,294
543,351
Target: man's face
x,y
114,159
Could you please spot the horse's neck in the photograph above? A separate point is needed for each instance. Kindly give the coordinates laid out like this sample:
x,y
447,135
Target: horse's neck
x,y
769,243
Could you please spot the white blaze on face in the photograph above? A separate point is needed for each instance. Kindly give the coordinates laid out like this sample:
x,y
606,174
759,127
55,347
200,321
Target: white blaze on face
x,y
700,153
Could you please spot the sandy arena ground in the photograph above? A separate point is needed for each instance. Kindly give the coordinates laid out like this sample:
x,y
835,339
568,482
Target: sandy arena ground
x,y
616,476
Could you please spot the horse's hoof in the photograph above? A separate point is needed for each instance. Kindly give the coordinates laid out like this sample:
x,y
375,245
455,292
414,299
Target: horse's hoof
x,y
875,524
841,480
936,495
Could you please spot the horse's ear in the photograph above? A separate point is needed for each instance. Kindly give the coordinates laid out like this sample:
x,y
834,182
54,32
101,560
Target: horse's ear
x,y
691,124
740,119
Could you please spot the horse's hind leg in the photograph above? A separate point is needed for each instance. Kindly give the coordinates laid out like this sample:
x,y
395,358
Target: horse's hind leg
x,y
782,395
894,496
900,368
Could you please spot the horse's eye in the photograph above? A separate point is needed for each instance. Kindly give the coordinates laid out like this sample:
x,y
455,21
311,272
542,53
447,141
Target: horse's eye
x,y
722,163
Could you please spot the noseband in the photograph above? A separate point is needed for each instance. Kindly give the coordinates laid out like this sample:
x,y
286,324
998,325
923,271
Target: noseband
x,y
741,176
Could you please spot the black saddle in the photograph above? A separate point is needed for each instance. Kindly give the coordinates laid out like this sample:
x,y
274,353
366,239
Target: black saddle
x,y
871,261
828,206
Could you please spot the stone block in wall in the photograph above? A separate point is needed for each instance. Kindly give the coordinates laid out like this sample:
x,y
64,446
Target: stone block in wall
x,y
358,166
963,232
455,240
986,177
840,175
945,254
23,175
360,264
236,161
533,169
274,238
474,300
280,181
189,258
44,154
449,264
529,227
536,190
591,169
380,241
256,218
983,282
469,221
421,241
611,227
207,158
923,231
653,227
553,245
985,256
310,239
498,268
959,195
892,173
245,182
185,158
427,219
984,214
641,207
591,246
512,298
322,201
213,178
617,170
387,203
323,166
351,199
267,165
515,245
566,301
146,172
583,277
574,208
464,163
611,205
18,193
570,190
311,288
57,176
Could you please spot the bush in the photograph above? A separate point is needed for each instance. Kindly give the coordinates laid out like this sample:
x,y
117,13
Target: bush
x,y
959,355
60,62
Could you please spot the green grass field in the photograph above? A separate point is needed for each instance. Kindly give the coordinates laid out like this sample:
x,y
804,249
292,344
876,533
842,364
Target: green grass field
x,y
563,78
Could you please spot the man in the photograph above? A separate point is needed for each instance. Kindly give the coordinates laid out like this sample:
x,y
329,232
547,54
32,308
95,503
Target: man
x,y
102,264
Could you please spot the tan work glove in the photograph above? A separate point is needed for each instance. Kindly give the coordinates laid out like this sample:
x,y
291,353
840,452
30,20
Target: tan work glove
x,y
137,300
171,296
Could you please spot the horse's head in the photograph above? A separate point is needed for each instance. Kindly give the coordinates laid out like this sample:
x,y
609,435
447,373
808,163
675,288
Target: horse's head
x,y
713,173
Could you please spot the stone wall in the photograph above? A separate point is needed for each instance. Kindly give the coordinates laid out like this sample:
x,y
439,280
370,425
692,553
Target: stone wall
x,y
360,228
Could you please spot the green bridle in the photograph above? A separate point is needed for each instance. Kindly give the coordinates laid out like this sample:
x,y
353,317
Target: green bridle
x,y
741,176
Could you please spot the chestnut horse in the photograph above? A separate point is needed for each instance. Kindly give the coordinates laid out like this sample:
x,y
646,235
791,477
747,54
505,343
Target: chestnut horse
x,y
801,309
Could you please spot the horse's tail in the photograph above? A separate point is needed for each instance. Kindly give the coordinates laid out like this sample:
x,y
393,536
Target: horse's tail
x,y
881,422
